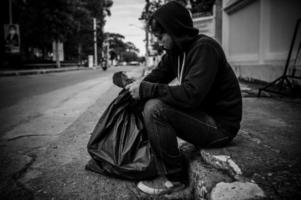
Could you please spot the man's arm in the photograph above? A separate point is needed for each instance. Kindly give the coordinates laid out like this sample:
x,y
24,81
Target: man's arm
x,y
197,82
162,73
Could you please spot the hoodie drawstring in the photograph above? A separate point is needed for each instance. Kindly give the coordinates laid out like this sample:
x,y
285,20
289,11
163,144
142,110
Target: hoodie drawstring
x,y
181,70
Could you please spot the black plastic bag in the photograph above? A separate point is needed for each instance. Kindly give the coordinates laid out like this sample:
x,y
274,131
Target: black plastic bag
x,y
118,145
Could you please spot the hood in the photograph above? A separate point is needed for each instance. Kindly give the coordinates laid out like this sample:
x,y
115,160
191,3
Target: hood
x,y
177,22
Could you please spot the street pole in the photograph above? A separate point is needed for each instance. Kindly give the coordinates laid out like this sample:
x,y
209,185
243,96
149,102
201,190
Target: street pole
x,y
146,46
95,42
146,36
10,12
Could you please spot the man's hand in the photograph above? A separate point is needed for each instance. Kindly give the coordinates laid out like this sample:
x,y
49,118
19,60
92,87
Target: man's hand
x,y
133,88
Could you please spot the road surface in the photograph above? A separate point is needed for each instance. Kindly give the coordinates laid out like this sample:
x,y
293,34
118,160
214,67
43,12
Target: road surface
x,y
46,121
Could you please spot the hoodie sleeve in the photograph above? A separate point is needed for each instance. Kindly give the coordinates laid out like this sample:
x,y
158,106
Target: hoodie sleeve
x,y
202,65
162,73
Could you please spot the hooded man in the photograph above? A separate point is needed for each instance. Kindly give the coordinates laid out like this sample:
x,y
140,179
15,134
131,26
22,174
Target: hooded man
x,y
204,107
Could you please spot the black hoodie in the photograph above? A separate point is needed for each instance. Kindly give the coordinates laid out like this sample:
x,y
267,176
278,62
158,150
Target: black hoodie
x,y
208,83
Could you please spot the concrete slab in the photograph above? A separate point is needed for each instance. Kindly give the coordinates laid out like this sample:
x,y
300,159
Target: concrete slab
x,y
236,191
267,148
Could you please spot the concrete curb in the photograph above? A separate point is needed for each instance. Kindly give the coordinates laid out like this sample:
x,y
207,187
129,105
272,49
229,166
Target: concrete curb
x,y
212,177
228,183
41,71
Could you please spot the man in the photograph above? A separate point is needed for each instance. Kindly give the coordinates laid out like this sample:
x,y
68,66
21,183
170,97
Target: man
x,y
204,108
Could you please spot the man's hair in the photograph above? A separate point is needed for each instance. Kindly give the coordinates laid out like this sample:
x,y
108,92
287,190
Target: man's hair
x,y
154,26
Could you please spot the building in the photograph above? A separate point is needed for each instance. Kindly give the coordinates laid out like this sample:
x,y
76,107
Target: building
x,y
210,22
256,36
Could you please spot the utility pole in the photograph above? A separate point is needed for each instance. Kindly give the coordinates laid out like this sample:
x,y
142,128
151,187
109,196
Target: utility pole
x,y
95,42
146,35
10,11
146,46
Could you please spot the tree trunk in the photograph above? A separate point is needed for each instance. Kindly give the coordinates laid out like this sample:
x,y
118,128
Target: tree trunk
x,y
44,52
57,55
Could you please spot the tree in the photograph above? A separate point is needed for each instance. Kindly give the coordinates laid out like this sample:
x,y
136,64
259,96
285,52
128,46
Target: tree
x,y
131,47
116,43
69,21
202,6
126,51
150,7
98,9
129,56
113,56
45,21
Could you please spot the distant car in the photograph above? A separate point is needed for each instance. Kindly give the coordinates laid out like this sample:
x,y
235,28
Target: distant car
x,y
133,63
121,63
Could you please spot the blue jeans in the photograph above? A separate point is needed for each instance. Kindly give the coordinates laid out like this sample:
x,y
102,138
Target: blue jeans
x,y
165,123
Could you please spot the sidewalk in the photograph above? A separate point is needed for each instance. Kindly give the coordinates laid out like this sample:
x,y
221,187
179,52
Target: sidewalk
x,y
40,71
266,151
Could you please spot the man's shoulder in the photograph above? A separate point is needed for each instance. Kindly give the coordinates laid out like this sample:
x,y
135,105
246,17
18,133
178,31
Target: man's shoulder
x,y
204,40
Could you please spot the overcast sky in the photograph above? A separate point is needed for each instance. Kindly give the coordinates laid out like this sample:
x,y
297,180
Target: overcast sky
x,y
124,20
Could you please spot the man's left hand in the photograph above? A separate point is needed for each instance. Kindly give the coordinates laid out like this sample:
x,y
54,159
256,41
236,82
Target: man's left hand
x,y
133,88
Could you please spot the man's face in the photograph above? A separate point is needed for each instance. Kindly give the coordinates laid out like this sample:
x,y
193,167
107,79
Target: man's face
x,y
165,40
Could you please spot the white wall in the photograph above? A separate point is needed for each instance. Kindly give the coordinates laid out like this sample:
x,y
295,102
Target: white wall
x,y
283,16
205,25
244,34
257,37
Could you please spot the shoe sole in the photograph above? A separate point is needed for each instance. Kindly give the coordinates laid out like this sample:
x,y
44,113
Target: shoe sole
x,y
150,191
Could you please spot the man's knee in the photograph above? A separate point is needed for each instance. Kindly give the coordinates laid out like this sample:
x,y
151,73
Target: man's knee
x,y
152,107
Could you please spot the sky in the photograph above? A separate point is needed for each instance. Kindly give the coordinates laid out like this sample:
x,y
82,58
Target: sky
x,y
124,19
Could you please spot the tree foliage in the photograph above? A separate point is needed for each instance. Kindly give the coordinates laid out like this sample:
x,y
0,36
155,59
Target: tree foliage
x,y
70,21
124,51
150,7
202,6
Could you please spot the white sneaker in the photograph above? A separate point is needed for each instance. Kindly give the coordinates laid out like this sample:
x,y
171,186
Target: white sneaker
x,y
159,186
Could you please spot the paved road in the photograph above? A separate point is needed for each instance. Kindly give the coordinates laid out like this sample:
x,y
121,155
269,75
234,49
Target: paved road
x,y
45,125
27,98
16,88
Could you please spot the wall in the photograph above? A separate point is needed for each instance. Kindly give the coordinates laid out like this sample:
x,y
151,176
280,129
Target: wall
x,y
244,34
283,15
205,25
257,35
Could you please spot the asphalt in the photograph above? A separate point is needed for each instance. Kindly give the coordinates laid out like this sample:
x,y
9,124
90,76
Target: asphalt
x,y
262,162
19,87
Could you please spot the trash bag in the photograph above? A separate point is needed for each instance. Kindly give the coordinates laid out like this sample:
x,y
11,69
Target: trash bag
x,y
121,79
118,145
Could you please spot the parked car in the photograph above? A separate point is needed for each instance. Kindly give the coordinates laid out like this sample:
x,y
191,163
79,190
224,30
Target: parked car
x,y
133,63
